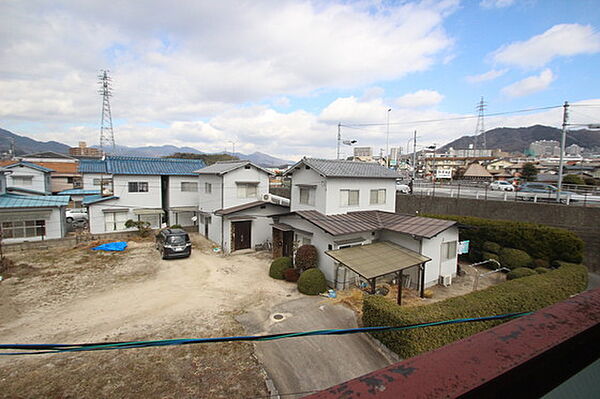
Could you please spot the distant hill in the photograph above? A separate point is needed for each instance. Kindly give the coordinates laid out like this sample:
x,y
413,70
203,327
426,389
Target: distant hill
x,y
518,139
25,145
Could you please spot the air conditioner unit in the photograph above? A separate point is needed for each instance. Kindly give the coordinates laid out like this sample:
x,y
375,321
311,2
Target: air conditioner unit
x,y
445,280
266,197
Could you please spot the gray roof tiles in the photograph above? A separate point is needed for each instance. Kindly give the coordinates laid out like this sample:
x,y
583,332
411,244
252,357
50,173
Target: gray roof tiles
x,y
222,167
341,168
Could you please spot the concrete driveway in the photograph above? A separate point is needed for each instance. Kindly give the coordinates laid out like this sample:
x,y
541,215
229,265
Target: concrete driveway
x,y
311,363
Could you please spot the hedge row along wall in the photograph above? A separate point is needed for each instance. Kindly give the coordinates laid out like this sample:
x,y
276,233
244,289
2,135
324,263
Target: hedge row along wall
x,y
521,295
539,241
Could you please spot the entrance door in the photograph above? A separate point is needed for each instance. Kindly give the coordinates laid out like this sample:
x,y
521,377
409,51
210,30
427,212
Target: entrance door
x,y
241,235
288,243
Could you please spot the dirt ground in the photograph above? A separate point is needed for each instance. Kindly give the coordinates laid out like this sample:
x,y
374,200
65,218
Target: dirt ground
x,y
78,295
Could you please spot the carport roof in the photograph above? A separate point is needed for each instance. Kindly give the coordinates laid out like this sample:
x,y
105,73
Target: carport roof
x,y
377,259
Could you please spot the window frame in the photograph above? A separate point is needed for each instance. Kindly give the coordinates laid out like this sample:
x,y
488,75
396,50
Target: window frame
x,y
139,187
188,184
207,188
380,199
24,228
345,200
310,195
446,250
245,186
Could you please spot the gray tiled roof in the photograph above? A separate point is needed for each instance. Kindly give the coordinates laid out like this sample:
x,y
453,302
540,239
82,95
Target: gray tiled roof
x,y
220,168
361,221
339,168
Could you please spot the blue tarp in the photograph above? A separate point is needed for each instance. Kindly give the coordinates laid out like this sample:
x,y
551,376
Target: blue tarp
x,y
111,246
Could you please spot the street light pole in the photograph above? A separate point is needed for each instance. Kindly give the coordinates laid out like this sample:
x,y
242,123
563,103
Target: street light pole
x,y
339,139
562,149
387,140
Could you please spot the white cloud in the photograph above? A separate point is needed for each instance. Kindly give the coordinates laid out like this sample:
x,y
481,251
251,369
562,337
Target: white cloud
x,y
530,85
496,3
420,98
282,102
559,41
484,77
179,61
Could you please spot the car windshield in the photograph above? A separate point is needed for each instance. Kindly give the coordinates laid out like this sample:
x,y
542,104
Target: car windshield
x,y
176,240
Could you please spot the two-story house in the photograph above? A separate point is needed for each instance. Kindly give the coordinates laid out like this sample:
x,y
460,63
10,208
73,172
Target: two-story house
x,y
233,210
29,217
28,178
155,190
340,205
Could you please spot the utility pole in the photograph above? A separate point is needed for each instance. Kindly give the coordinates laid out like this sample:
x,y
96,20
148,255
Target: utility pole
x,y
414,171
387,140
107,136
480,129
233,147
339,139
562,148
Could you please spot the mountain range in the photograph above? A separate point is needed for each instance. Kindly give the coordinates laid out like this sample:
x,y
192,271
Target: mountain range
x,y
518,139
25,145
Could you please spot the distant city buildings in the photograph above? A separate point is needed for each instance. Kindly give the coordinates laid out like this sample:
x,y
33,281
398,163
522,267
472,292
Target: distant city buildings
x,y
363,152
545,148
83,151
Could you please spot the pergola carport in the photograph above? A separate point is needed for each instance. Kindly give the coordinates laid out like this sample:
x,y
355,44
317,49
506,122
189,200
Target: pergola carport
x,y
379,259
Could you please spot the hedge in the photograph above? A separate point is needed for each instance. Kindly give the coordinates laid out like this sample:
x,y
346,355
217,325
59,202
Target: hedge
x,y
514,258
521,295
520,272
491,247
279,266
539,241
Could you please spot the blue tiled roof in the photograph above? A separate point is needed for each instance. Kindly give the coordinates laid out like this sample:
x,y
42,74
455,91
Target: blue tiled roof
x,y
79,191
28,190
92,199
92,166
31,165
119,165
28,201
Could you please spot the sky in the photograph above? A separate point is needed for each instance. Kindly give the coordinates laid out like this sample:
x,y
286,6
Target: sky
x,y
278,76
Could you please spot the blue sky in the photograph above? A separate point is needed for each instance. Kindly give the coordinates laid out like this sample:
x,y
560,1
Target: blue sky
x,y
277,76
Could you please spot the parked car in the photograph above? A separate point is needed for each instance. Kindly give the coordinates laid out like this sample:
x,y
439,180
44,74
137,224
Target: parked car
x,y
173,243
76,214
543,192
403,188
501,185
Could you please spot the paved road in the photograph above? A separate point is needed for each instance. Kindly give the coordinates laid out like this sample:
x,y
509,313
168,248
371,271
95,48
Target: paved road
x,y
310,363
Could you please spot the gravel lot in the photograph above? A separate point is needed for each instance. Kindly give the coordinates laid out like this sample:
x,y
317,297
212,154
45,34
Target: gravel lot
x,y
78,295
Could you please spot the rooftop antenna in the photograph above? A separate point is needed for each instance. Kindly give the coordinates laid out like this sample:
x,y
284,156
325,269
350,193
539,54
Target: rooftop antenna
x,y
107,136
480,129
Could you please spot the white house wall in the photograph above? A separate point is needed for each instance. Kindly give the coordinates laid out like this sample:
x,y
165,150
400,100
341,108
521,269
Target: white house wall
x,y
209,202
242,175
151,199
88,180
308,177
260,230
432,248
182,198
55,225
334,185
40,181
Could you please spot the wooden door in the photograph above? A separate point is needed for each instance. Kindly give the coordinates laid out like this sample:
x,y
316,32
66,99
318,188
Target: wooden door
x,y
241,235
288,243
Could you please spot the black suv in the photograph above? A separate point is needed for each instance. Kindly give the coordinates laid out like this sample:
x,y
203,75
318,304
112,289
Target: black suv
x,y
173,243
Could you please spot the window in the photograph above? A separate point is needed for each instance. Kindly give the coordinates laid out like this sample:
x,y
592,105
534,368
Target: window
x,y
377,196
98,182
307,196
22,180
449,250
138,187
152,220
189,186
349,197
247,190
114,221
23,229
207,188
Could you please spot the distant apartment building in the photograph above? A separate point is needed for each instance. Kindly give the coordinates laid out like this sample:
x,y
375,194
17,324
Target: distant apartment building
x,y
573,149
474,152
545,148
83,151
366,152
395,153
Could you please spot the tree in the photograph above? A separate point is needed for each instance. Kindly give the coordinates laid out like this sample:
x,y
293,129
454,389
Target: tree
x,y
458,173
144,228
208,159
573,179
529,171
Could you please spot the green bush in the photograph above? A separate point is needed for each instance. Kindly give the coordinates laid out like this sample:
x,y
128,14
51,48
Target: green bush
x,y
520,272
176,226
307,257
540,263
489,255
144,228
279,266
514,258
521,295
491,247
540,270
539,241
312,282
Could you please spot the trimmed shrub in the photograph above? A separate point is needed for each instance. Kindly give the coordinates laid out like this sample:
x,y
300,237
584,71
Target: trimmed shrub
x,y
279,266
312,282
514,258
540,263
540,270
176,226
491,247
520,272
521,295
307,257
539,241
489,255
291,275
